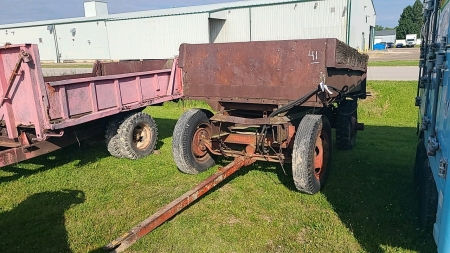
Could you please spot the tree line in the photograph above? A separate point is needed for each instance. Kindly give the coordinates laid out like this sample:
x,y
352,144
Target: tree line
x,y
410,22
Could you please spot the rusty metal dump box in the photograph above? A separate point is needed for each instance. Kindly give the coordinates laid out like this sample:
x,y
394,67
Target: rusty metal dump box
x,y
38,113
272,72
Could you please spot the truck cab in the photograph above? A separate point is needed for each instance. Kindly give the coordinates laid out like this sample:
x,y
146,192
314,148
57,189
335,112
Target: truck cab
x,y
411,40
433,148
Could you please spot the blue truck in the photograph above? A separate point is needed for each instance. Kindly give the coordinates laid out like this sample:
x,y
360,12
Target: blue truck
x,y
433,128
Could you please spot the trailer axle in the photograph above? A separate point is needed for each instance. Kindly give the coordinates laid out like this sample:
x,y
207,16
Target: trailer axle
x,y
170,210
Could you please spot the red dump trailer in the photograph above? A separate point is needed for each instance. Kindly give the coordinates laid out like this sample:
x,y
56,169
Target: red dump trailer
x,y
41,114
275,101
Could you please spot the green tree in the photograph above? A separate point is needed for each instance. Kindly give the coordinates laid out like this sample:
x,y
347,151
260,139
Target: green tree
x,y
379,28
410,21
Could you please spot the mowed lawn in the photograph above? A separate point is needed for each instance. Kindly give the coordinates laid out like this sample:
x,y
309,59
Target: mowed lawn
x,y
394,63
80,198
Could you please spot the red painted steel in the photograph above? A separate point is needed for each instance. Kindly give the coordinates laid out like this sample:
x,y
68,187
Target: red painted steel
x,y
176,206
16,154
50,105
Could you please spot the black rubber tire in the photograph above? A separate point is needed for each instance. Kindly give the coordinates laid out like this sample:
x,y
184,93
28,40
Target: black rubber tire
x,y
111,137
421,157
183,135
133,146
310,129
428,198
345,133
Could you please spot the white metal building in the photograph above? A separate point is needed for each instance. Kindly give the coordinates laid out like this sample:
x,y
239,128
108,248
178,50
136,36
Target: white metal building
x,y
157,34
386,36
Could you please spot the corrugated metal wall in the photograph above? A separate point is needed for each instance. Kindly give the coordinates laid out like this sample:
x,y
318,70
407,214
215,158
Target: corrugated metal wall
x,y
235,29
387,38
83,41
155,38
306,20
361,20
35,35
160,37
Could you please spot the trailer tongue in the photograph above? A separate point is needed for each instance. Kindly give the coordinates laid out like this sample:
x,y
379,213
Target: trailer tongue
x,y
176,206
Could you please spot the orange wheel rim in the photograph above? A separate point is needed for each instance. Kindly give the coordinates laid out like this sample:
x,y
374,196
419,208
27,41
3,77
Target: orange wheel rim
x,y
319,157
198,146
142,136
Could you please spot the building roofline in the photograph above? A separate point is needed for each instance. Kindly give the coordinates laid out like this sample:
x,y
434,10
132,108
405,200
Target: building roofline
x,y
373,5
196,9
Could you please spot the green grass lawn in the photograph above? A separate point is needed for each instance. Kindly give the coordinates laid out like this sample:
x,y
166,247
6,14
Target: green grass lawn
x,y
396,63
80,198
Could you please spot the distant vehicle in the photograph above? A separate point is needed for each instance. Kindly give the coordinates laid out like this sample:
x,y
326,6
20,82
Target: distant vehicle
x,y
390,45
399,45
411,40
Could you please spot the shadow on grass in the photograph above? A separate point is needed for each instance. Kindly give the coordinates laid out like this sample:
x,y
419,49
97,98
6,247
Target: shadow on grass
x,y
86,152
371,189
165,130
37,224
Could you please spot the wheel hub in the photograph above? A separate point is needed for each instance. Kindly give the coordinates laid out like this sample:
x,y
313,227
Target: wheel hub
x,y
198,142
318,158
321,155
142,136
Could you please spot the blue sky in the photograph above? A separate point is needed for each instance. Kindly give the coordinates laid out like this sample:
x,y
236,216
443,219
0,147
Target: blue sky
x,y
388,11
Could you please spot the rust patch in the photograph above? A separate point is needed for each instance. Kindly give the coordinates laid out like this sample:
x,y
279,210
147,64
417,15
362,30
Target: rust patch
x,y
123,67
269,72
51,90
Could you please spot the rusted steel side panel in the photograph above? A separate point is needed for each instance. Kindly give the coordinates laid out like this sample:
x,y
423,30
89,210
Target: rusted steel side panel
x,y
66,77
282,71
82,100
116,68
123,67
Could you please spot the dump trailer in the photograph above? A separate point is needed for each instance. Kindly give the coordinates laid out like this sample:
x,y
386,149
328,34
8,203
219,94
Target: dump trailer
x,y
433,145
42,114
274,101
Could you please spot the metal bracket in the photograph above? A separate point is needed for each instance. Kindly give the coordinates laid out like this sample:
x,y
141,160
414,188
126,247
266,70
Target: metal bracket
x,y
440,60
423,82
50,134
425,122
443,166
418,101
433,146
23,57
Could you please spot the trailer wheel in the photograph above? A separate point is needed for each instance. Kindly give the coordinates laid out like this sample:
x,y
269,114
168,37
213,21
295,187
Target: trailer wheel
x,y
346,121
111,138
311,155
428,198
189,153
137,136
421,157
